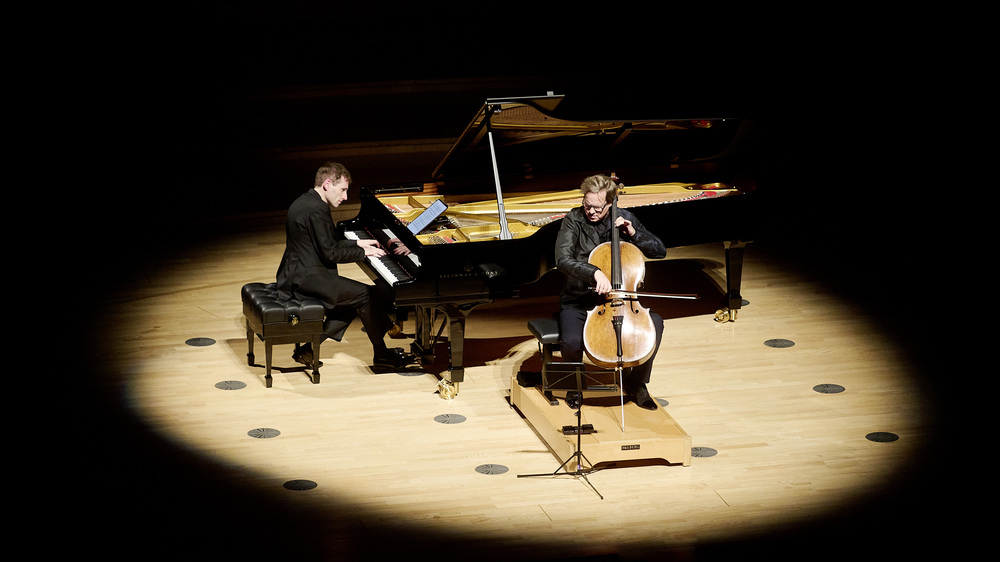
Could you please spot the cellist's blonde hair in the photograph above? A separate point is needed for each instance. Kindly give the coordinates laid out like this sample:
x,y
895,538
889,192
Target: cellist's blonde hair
x,y
595,183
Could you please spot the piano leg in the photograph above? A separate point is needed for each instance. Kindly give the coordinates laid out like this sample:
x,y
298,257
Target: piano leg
x,y
456,314
734,276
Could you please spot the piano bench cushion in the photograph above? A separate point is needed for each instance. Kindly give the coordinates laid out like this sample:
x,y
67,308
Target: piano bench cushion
x,y
262,302
545,330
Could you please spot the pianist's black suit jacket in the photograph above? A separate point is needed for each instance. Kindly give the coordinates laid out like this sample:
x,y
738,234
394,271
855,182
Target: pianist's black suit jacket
x,y
309,265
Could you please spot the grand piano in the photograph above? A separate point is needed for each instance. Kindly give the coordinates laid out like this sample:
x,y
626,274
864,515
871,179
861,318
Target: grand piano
x,y
483,226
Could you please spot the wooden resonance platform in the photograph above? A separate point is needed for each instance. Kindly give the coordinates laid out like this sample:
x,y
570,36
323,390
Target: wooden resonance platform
x,y
649,435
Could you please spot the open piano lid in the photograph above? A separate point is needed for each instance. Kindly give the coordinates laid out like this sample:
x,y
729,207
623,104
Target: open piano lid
x,y
533,138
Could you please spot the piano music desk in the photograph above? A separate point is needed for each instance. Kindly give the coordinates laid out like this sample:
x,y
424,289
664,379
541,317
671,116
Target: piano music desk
x,y
648,435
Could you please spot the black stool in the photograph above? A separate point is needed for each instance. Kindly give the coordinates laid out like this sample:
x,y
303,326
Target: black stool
x,y
546,331
278,321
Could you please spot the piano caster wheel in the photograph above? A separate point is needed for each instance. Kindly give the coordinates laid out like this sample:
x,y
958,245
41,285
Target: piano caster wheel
x,y
447,390
725,315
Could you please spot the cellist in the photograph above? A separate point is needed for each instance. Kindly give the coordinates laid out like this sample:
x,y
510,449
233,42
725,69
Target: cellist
x,y
583,229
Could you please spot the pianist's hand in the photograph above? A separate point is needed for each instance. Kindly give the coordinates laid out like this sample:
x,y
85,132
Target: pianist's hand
x,y
397,247
372,249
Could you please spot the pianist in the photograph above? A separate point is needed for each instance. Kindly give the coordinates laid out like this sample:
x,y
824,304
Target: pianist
x,y
583,229
309,268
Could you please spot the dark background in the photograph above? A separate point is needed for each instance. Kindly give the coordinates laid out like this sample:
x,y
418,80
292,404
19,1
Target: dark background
x,y
179,107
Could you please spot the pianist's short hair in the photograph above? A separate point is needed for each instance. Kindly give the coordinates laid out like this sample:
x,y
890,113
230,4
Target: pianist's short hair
x,y
596,183
331,171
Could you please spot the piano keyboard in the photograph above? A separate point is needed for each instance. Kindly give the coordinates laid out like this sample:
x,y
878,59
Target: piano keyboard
x,y
386,266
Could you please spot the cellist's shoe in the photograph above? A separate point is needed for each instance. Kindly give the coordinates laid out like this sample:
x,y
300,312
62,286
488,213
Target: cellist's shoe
x,y
643,399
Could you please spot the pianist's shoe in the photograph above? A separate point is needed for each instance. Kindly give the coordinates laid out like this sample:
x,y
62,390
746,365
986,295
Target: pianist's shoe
x,y
304,354
392,359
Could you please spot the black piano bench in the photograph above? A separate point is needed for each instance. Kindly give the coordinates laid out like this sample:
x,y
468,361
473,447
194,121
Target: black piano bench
x,y
276,321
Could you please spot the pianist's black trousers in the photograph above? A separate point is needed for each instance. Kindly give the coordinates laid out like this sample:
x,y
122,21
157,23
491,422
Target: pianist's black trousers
x,y
352,299
571,321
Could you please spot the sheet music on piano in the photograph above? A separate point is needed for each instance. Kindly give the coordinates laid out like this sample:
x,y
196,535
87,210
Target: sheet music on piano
x,y
427,216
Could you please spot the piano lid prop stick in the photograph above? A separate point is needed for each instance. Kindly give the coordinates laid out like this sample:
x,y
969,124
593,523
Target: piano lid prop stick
x,y
504,230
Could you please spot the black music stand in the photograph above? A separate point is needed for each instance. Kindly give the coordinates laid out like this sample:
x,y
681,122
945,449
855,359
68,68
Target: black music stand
x,y
573,378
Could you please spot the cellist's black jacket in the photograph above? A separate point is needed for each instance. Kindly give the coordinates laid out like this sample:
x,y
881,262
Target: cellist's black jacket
x,y
578,237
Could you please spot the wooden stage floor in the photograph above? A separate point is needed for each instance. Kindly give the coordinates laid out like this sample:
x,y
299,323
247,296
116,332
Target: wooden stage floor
x,y
365,466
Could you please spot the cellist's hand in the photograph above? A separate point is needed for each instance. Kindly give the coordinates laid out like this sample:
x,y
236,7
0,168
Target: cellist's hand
x,y
602,285
625,226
